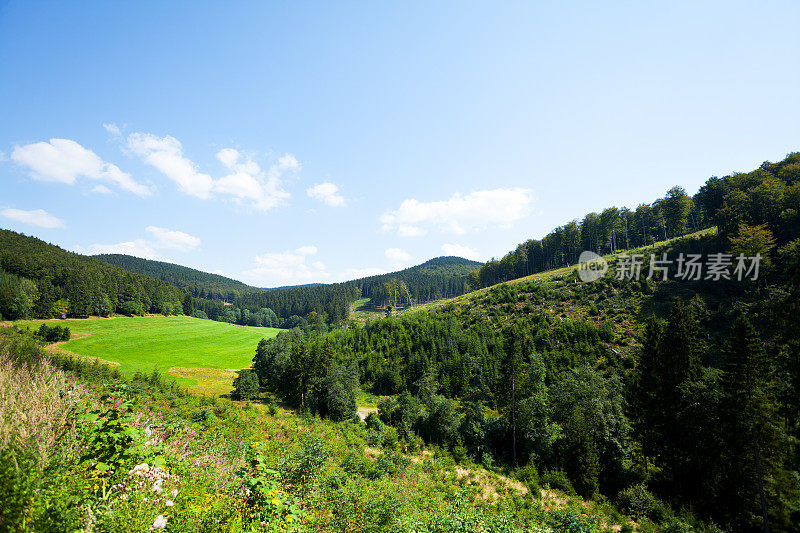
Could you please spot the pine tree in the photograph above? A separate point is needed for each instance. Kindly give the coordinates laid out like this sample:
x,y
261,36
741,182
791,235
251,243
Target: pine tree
x,y
753,434
668,360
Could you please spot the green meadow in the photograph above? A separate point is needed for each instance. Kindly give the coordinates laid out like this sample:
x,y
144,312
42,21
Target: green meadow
x,y
200,354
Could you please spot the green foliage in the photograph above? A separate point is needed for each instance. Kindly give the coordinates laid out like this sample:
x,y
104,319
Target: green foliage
x,y
304,465
53,333
113,442
245,385
639,503
572,522
41,279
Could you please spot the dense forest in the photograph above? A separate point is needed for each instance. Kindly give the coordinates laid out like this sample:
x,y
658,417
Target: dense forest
x,y
42,280
224,299
659,393
200,284
769,194
440,277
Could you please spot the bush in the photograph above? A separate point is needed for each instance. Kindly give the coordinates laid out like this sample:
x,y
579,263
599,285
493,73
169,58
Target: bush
x,y
131,308
356,464
373,421
245,385
54,333
530,477
557,479
388,464
572,522
303,466
638,502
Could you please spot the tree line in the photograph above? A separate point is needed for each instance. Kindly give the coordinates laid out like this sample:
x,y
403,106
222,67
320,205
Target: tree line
x,y
768,195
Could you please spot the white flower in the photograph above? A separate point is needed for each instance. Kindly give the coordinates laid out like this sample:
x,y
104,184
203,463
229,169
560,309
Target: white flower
x,y
137,468
157,487
169,503
147,432
160,522
174,492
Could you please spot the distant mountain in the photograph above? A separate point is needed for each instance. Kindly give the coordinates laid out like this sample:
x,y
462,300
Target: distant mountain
x,y
200,284
440,277
292,286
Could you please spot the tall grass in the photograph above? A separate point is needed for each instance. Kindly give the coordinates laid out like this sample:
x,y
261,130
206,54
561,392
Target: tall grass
x,y
35,398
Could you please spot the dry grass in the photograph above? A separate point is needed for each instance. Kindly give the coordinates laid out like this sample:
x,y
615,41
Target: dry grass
x,y
207,381
35,402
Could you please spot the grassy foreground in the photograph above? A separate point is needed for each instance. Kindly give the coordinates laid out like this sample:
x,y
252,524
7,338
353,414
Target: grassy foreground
x,y
102,454
198,351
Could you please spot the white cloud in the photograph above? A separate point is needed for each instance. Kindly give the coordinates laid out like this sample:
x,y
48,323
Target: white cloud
x,y
460,213
306,250
64,161
288,162
101,189
398,255
166,155
357,273
286,268
460,251
172,240
36,217
245,182
113,129
160,239
327,193
404,230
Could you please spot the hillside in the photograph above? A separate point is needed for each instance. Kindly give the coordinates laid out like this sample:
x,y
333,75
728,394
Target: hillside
x,y
225,299
123,454
677,387
440,277
43,280
769,195
200,284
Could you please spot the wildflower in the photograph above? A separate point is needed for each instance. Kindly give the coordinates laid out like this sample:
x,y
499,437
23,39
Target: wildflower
x,y
174,492
157,488
169,503
160,522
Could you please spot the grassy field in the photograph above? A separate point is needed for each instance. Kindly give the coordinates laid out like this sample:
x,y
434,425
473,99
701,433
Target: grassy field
x,y
196,352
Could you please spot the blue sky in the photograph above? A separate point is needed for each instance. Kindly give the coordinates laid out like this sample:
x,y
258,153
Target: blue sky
x,y
296,142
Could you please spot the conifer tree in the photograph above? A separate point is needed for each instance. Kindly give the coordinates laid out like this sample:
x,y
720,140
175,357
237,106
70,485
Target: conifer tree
x,y
753,435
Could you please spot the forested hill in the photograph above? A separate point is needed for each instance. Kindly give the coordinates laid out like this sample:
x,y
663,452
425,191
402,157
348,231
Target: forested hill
x,y
437,278
676,394
440,277
200,284
43,280
770,194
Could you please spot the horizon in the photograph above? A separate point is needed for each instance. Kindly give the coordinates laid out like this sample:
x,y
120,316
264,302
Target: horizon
x,y
283,145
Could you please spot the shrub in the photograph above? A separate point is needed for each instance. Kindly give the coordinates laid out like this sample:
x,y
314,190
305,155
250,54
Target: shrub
x,y
245,385
356,464
373,421
390,438
303,466
131,308
638,502
530,477
557,479
388,464
572,522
